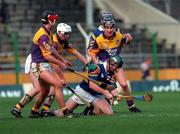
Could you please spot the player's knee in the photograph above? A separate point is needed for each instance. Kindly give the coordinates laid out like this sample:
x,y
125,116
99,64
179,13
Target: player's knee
x,y
37,91
44,93
109,112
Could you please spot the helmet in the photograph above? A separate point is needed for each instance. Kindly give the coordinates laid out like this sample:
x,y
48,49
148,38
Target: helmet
x,y
105,19
49,17
91,67
105,16
64,28
116,59
109,22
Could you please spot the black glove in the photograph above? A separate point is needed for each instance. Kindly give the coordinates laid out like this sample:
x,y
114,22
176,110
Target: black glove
x,y
134,109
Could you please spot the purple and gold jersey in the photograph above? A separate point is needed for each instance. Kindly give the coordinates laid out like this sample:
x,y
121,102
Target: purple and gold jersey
x,y
41,45
99,31
59,45
102,47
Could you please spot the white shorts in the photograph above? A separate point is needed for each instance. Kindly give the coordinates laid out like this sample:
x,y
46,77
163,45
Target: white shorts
x,y
85,95
37,68
27,64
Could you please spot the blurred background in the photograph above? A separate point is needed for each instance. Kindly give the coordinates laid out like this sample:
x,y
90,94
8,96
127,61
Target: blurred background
x,y
154,25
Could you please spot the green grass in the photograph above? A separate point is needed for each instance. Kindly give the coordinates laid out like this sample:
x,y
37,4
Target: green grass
x,y
161,116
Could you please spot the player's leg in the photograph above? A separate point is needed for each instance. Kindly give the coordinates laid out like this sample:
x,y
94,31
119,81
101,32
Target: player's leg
x,y
44,90
46,78
53,79
71,104
102,107
120,77
88,111
16,111
48,102
51,96
85,97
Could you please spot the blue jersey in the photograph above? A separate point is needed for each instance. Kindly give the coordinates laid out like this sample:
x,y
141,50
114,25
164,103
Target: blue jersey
x,y
102,76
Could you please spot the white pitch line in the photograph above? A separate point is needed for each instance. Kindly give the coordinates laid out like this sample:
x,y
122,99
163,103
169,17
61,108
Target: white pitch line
x,y
150,115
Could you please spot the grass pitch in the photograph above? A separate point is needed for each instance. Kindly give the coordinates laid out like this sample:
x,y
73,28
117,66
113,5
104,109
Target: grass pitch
x,y
161,116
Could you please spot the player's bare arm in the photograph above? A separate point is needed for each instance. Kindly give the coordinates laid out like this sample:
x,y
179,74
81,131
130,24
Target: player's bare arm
x,y
80,57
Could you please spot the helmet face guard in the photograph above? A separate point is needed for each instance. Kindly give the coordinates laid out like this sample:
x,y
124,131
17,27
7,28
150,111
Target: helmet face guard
x,y
49,17
109,27
52,18
64,31
109,23
116,61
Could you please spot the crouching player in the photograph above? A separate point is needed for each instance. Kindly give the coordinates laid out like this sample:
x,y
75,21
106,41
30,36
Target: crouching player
x,y
93,93
106,43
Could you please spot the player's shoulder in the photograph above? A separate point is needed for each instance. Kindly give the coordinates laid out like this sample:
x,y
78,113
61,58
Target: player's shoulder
x,y
97,32
41,30
100,37
118,34
118,30
40,34
54,35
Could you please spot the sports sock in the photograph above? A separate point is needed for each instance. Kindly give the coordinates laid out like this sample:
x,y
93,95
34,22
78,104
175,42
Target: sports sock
x,y
35,109
25,100
130,102
49,100
45,107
